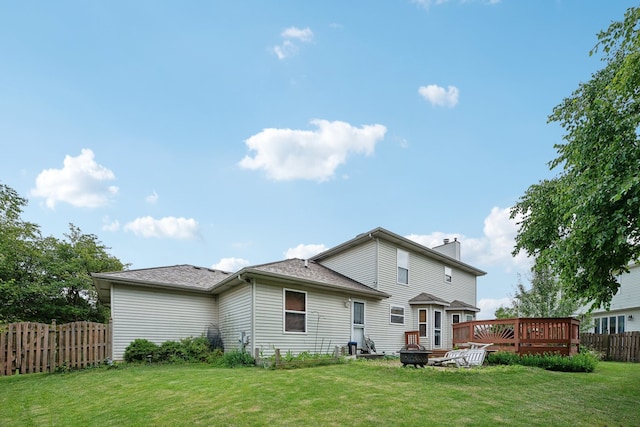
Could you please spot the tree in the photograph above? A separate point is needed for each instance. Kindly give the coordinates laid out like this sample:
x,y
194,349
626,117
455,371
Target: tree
x,y
544,299
584,224
47,278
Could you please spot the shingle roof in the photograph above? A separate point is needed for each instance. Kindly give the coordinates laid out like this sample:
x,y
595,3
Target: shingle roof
x,y
307,272
460,305
425,298
396,239
186,277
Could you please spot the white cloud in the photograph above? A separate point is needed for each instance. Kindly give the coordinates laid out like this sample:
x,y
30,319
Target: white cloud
x,y
440,96
302,34
288,154
230,264
152,198
168,227
493,248
488,307
290,35
304,251
81,183
108,225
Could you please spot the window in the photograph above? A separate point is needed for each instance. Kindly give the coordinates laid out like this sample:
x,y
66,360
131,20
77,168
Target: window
x,y
469,318
609,325
447,274
437,328
295,311
455,318
422,322
403,267
397,314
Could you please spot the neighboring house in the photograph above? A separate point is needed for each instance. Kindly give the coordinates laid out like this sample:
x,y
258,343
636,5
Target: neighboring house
x,y
377,284
624,313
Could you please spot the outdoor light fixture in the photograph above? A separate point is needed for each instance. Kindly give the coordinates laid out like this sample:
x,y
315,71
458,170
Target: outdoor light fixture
x,y
630,317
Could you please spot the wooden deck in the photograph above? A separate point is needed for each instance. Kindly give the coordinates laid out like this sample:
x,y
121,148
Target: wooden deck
x,y
522,335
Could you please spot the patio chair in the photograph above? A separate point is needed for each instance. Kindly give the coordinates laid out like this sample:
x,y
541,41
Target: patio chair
x,y
368,345
453,357
474,357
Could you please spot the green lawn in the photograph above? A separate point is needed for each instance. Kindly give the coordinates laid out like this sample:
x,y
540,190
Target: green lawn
x,y
356,393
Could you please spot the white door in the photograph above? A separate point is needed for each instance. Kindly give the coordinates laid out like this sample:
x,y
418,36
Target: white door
x,y
357,332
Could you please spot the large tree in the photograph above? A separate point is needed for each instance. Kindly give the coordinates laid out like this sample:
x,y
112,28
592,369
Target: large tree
x,y
543,299
42,279
584,224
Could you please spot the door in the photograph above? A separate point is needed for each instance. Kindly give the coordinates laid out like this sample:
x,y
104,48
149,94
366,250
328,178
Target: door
x,y
357,331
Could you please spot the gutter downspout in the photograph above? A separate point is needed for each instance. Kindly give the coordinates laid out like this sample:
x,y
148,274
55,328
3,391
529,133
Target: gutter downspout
x,y
254,349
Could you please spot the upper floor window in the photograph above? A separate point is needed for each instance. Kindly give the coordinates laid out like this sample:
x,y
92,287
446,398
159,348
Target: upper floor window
x,y
403,267
295,311
397,314
455,318
448,274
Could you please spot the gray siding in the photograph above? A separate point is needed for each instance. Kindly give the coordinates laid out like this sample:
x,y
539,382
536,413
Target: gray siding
x,y
425,275
157,315
235,316
328,321
358,263
626,302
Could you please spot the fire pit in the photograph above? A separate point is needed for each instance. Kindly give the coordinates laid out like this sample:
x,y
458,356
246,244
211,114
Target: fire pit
x,y
414,354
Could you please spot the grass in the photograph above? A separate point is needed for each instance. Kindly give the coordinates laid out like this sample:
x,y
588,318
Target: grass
x,y
356,393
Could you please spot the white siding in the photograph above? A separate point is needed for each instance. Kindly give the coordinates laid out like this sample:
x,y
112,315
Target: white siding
x,y
235,316
425,275
328,321
157,315
358,263
627,301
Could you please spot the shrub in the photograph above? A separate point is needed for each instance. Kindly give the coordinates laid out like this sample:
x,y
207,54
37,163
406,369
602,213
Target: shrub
x,y
196,349
582,362
237,358
140,349
172,351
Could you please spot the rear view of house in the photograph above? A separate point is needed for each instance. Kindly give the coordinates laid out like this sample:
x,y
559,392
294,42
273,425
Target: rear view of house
x,y
378,284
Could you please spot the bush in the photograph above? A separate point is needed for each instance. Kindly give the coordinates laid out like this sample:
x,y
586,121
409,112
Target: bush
x,y
172,351
582,362
140,349
196,349
235,358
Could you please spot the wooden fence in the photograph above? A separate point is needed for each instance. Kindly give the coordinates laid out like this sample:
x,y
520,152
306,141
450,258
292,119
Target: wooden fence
x,y
624,347
522,335
37,347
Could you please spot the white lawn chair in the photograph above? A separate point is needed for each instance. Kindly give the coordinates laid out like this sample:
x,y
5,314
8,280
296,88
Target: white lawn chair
x,y
451,357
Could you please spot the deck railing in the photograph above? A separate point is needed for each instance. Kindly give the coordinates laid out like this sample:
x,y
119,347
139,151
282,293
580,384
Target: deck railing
x,y
522,335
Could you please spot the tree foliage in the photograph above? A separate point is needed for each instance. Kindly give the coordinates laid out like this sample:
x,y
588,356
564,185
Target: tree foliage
x,y
45,278
584,224
544,299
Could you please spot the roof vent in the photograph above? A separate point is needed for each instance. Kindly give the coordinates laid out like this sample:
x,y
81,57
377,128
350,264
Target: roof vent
x,y
446,241
306,263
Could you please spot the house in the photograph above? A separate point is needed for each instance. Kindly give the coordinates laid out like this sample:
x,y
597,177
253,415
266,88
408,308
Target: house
x,y
378,284
624,312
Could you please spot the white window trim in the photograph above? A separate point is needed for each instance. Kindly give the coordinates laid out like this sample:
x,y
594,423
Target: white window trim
x,y
439,329
392,315
425,323
285,311
402,261
448,274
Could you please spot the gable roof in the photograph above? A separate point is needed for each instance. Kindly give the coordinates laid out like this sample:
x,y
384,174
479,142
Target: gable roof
x,y
425,298
300,272
460,305
400,241
184,277
206,280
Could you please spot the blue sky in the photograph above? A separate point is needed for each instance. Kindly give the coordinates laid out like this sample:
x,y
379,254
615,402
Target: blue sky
x,y
224,134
